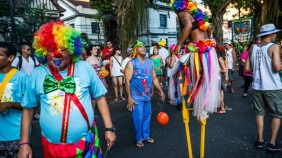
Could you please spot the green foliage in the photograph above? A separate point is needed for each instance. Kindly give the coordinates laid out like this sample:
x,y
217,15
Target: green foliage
x,y
129,14
106,9
27,22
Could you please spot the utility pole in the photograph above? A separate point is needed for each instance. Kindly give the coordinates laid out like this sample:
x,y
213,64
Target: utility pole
x,y
12,16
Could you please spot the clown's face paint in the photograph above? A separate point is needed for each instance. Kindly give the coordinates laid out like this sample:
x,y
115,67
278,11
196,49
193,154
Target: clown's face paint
x,y
59,62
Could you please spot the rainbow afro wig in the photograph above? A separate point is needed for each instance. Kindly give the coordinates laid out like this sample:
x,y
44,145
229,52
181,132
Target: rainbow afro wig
x,y
57,37
201,18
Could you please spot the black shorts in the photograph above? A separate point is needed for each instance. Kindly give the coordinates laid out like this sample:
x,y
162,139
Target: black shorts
x,y
241,68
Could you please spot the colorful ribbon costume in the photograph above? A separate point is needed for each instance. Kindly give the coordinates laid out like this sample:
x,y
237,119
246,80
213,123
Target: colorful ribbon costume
x,y
202,78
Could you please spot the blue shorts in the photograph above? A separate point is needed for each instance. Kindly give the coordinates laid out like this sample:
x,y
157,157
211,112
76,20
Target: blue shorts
x,y
230,75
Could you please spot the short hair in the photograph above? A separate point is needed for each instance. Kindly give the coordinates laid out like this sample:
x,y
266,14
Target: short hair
x,y
23,46
11,49
109,41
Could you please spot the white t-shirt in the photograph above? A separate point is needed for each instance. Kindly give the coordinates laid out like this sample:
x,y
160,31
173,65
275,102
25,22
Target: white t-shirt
x,y
124,62
230,58
163,53
27,67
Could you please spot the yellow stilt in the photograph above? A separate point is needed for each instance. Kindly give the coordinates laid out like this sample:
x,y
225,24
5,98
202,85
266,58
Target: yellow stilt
x,y
186,119
203,133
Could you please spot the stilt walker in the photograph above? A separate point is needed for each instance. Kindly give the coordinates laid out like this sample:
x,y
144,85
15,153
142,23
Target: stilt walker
x,y
198,75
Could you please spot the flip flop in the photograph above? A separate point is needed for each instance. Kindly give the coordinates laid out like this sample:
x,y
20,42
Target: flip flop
x,y
149,140
139,144
227,108
220,112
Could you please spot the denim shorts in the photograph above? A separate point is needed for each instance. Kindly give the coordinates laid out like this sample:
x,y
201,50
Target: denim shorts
x,y
268,99
230,75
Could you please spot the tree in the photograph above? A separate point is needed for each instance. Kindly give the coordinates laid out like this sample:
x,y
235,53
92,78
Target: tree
x,y
263,11
27,22
218,9
266,11
129,15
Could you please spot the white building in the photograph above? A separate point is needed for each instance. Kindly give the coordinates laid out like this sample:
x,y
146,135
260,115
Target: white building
x,y
160,24
79,15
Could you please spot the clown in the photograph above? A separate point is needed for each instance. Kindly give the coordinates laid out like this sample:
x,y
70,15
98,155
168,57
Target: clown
x,y
62,87
139,77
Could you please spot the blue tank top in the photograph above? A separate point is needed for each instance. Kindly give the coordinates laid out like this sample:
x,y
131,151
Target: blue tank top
x,y
142,78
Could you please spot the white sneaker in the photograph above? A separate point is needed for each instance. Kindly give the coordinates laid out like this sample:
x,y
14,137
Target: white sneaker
x,y
36,116
166,84
161,84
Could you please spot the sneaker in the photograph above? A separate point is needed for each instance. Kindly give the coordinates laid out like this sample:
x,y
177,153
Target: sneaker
x,y
273,148
259,145
161,84
166,84
36,116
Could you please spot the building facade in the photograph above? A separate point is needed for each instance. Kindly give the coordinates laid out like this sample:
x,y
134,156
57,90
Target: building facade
x,y
160,24
80,15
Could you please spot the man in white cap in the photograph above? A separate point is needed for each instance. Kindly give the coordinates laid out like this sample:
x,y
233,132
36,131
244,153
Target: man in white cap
x,y
129,52
231,56
264,61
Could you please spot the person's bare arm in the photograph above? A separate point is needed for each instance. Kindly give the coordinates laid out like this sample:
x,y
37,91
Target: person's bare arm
x,y
6,105
226,63
185,19
234,59
111,64
247,65
162,61
209,31
222,65
172,61
128,72
275,51
104,55
27,117
105,113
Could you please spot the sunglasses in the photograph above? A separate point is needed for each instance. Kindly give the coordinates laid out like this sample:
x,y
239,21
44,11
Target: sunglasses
x,y
28,49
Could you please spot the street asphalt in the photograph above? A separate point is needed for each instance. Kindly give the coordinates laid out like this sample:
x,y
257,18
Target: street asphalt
x,y
230,135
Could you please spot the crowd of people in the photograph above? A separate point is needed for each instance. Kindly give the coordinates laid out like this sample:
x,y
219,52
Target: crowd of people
x,y
66,86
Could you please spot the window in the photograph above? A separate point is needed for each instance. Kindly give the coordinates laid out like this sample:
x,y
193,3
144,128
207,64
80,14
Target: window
x,y
95,27
163,22
72,25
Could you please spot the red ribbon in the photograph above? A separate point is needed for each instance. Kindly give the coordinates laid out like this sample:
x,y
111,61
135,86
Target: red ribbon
x,y
67,102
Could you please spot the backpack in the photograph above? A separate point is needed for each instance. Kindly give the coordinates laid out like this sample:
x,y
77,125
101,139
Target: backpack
x,y
21,62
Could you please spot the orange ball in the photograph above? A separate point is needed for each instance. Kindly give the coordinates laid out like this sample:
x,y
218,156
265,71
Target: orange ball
x,y
163,118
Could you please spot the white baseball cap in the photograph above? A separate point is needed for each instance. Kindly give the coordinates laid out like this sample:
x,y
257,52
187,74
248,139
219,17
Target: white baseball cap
x,y
227,41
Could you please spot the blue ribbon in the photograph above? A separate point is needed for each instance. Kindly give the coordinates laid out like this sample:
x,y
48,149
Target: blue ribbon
x,y
267,31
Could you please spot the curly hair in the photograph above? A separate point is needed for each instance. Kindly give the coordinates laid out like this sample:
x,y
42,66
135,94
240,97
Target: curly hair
x,y
55,37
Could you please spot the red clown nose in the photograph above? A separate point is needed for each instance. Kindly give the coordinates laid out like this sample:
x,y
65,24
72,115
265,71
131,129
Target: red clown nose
x,y
57,54
163,118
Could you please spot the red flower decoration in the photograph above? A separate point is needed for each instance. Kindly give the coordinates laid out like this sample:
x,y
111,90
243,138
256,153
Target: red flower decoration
x,y
220,48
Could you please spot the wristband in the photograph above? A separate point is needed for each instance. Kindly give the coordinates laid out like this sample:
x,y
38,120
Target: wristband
x,y
20,144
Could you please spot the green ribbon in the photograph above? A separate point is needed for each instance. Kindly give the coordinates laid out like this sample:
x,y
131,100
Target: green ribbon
x,y
51,84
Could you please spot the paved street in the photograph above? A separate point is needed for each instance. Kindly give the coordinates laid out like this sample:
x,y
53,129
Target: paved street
x,y
229,135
